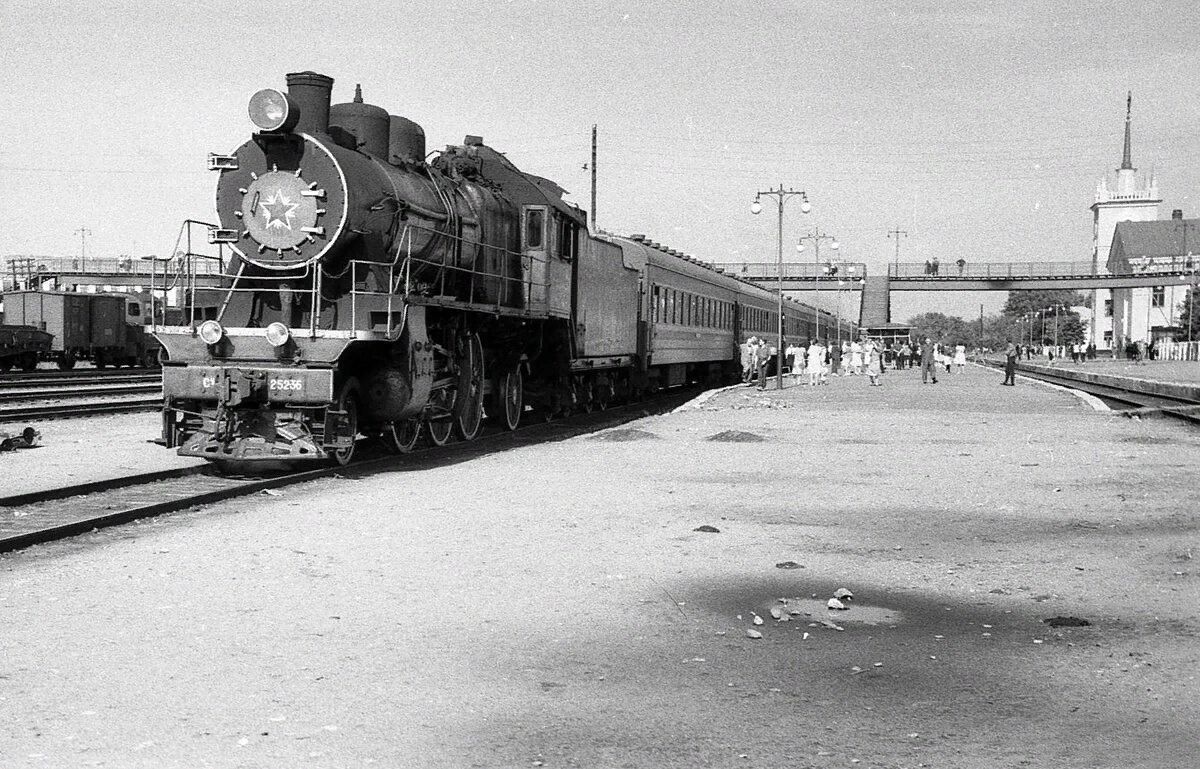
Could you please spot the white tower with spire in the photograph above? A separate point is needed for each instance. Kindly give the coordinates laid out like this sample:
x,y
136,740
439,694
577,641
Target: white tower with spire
x,y
1130,202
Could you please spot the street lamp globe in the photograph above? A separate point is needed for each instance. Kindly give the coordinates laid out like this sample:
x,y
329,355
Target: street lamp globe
x,y
805,206
799,247
756,207
835,245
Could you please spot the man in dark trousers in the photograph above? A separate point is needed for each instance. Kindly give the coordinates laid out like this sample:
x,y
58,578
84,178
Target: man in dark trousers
x,y
928,367
1010,365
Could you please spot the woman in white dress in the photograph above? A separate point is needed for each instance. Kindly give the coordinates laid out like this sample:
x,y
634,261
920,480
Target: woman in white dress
x,y
960,357
796,356
856,358
845,359
816,362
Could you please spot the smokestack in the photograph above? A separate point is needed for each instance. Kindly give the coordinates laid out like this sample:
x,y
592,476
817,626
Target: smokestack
x,y
1177,213
310,91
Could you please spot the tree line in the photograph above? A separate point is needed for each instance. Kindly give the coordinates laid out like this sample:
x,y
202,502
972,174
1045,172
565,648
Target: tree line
x,y
1028,317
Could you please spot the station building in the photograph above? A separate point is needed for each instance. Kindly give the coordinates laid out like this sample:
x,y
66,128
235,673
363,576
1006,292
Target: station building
x,y
1128,200
1151,314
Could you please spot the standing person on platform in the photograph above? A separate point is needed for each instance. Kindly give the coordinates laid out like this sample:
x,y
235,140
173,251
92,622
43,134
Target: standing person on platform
x,y
816,362
874,365
845,355
748,357
856,358
906,352
1011,354
960,357
935,265
762,356
796,356
827,353
928,362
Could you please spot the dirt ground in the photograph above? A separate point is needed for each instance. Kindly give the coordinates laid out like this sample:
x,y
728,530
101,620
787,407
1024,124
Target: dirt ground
x,y
556,605
72,451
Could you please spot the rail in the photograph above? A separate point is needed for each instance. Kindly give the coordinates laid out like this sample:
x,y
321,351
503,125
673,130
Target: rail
x,y
802,270
1181,264
1168,265
381,282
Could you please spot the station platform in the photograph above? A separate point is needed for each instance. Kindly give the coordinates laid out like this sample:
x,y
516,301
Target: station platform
x,y
591,602
1183,372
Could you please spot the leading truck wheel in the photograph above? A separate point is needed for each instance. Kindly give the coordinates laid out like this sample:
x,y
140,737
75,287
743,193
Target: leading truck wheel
x,y
468,403
66,361
28,361
402,436
347,403
439,426
512,395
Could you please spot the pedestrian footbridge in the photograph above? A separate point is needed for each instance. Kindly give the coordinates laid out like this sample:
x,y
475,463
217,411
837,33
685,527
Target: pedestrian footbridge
x,y
960,275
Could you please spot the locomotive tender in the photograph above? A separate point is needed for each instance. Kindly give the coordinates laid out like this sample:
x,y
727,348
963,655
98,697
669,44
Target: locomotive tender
x,y
375,293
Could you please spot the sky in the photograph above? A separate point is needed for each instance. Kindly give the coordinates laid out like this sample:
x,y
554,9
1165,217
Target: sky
x,y
979,128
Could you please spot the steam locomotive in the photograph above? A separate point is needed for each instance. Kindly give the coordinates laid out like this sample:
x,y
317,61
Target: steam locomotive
x,y
373,293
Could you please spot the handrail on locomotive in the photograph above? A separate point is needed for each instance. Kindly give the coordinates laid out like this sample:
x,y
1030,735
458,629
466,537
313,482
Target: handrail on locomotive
x,y
400,283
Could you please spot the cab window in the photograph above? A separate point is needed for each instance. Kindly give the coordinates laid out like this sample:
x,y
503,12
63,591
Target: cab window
x,y
134,310
535,220
568,238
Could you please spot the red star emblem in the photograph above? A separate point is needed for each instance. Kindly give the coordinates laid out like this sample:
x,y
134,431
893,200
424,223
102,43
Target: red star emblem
x,y
278,211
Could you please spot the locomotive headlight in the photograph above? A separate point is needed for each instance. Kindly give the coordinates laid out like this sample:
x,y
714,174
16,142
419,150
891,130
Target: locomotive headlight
x,y
211,332
272,110
278,334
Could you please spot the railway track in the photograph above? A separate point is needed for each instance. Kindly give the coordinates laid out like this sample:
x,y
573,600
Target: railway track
x,y
98,380
9,396
1128,398
75,374
39,517
70,410
77,394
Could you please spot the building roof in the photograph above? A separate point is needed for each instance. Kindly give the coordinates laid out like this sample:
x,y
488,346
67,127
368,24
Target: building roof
x,y
1154,239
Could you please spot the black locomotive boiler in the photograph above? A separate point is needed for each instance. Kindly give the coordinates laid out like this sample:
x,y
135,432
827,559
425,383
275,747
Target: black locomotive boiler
x,y
373,292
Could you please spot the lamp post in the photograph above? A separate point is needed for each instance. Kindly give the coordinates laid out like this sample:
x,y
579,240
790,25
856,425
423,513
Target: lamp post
x,y
781,196
847,284
816,236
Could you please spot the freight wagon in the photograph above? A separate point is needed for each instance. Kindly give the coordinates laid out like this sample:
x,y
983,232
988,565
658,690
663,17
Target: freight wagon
x,y
22,347
107,329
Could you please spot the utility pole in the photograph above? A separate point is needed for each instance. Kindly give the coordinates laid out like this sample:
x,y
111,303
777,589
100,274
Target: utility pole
x,y
83,232
595,228
896,233
981,324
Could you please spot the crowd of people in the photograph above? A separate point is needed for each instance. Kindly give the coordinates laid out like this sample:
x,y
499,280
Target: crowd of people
x,y
815,362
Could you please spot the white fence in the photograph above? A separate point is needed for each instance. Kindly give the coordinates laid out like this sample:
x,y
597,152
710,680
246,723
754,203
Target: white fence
x,y
1177,350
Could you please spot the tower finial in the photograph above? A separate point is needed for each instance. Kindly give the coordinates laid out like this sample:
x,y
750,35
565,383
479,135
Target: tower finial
x,y
358,100
1127,160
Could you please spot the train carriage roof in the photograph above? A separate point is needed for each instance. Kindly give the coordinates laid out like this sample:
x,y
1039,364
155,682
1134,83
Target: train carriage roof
x,y
639,250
